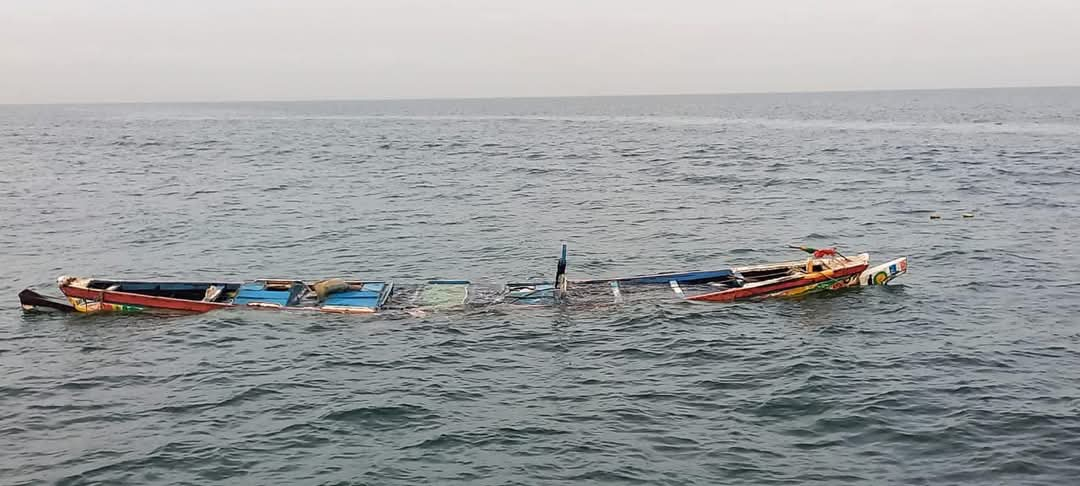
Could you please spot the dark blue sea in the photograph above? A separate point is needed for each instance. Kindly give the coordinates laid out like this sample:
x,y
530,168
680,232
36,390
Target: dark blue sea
x,y
965,371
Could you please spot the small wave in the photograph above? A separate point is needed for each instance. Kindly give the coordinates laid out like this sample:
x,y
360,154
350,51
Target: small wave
x,y
382,416
251,394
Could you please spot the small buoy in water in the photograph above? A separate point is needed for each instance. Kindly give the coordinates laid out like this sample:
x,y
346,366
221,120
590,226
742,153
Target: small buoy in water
x,y
969,215
935,216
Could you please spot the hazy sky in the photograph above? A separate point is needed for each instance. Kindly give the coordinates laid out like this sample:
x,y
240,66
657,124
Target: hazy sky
x,y
175,50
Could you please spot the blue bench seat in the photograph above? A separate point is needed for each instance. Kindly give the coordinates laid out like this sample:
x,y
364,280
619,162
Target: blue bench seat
x,y
368,295
265,292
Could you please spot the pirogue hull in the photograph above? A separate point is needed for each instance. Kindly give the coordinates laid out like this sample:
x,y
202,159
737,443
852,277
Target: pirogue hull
x,y
824,271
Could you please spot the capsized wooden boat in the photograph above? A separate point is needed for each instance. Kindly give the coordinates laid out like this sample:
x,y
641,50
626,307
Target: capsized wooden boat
x,y
824,270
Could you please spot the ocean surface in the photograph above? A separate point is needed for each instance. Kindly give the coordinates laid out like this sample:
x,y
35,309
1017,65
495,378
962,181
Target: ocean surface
x,y
966,371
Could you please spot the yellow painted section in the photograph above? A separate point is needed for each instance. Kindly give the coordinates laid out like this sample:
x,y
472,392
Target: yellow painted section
x,y
93,306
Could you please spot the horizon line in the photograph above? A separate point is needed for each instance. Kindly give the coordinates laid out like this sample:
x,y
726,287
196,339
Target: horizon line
x,y
537,97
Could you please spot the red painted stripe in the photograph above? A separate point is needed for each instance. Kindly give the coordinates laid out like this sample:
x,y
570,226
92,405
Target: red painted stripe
x,y
126,298
743,293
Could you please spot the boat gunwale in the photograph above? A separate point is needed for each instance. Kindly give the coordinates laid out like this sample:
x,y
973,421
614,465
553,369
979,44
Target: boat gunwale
x,y
728,273
734,271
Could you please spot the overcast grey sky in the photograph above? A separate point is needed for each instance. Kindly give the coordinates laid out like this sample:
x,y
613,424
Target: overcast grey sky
x,y
177,50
